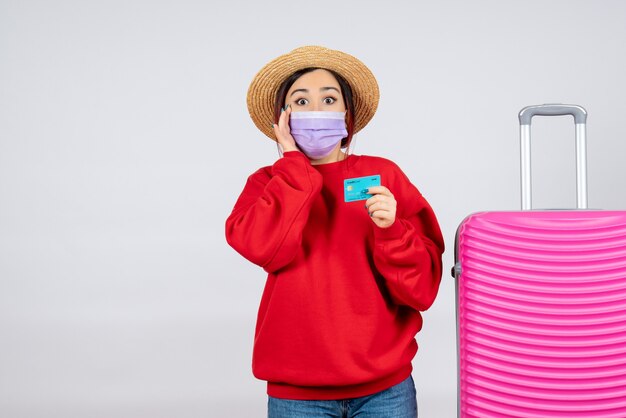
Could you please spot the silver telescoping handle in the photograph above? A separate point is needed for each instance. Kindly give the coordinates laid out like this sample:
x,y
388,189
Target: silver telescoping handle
x,y
580,118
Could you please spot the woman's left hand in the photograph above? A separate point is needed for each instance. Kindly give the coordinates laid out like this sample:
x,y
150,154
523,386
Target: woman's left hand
x,y
381,206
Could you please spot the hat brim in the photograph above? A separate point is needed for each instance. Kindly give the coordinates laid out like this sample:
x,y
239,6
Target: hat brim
x,y
264,87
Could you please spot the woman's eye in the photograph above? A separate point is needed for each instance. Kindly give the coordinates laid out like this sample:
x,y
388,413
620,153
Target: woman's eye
x,y
301,102
329,100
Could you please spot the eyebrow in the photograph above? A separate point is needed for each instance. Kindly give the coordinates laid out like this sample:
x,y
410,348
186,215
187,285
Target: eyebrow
x,y
321,89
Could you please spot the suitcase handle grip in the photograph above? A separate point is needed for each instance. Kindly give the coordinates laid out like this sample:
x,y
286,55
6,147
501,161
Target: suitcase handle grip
x,y
527,113
580,118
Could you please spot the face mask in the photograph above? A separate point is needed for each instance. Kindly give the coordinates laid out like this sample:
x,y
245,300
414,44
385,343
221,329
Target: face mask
x,y
317,133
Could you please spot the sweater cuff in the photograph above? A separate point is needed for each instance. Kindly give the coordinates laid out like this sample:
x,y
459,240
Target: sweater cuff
x,y
290,158
295,154
395,231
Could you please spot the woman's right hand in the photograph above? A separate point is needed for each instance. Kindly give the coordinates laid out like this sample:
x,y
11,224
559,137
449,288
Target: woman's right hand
x,y
282,131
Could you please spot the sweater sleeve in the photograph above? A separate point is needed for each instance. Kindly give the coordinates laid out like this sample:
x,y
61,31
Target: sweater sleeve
x,y
266,223
408,254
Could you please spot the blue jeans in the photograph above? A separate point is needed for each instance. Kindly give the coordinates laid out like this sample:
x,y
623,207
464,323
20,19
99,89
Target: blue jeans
x,y
398,401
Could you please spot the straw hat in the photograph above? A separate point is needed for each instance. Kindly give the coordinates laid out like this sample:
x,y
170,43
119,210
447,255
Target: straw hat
x,y
265,85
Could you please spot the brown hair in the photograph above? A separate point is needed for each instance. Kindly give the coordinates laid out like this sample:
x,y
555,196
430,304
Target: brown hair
x,y
346,93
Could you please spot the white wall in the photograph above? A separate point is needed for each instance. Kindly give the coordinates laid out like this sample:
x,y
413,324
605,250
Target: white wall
x,y
125,140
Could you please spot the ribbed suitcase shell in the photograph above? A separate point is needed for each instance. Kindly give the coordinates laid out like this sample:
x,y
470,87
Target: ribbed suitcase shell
x,y
541,314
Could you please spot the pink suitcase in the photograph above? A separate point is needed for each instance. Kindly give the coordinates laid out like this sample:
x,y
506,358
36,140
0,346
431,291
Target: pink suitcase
x,y
541,303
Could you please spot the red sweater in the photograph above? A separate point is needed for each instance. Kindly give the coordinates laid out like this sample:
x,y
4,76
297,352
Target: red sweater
x,y
339,312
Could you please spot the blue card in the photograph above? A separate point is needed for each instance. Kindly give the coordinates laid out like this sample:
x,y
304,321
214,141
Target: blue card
x,y
356,188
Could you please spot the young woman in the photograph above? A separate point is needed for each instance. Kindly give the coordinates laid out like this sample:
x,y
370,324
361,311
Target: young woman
x,y
351,247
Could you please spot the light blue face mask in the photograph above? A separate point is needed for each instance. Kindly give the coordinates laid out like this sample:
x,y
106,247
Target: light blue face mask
x,y
318,133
